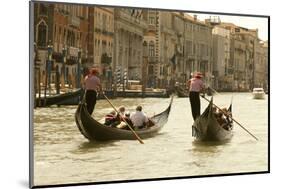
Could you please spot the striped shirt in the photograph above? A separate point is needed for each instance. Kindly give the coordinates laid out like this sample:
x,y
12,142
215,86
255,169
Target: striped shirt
x,y
92,82
196,85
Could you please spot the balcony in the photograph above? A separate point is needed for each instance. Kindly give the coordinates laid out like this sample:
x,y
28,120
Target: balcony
x,y
152,59
151,27
73,51
131,19
74,21
167,30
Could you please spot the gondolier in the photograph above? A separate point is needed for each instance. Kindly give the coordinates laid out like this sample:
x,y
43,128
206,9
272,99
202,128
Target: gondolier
x,y
195,86
92,85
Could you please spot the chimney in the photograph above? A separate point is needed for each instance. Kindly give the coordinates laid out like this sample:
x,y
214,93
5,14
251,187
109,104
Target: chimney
x,y
195,17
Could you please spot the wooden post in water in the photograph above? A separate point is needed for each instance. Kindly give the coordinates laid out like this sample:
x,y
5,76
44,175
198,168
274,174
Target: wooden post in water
x,y
63,68
39,87
78,76
46,83
144,68
57,80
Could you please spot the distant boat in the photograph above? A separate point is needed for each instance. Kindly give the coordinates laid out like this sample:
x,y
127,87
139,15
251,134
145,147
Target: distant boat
x,y
72,97
258,93
207,128
94,130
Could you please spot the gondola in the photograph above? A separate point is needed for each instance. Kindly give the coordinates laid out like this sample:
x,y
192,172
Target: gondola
x,y
94,130
206,127
72,98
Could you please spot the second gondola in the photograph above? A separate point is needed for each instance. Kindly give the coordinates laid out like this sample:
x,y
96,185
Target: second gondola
x,y
207,128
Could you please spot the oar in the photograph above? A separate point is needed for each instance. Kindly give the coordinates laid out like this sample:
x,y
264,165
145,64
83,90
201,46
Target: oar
x,y
232,119
231,99
139,139
214,90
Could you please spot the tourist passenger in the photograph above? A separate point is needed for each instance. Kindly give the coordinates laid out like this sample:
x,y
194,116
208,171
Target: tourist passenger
x,y
223,117
122,110
195,86
121,113
92,85
110,118
139,119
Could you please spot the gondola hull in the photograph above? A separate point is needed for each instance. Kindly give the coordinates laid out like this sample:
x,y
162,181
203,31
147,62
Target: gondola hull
x,y
69,98
93,130
206,127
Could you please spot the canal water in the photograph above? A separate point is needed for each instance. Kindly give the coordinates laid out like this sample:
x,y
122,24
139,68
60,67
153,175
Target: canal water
x,y
63,156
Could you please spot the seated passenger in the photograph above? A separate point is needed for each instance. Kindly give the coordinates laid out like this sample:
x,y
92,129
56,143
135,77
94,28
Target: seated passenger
x,y
121,113
139,119
224,119
110,118
123,124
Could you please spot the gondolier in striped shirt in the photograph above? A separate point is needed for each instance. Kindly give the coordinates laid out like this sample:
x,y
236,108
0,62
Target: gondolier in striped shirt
x,y
195,86
92,85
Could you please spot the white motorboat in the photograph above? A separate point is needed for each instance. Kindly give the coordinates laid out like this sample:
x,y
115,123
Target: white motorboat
x,y
258,93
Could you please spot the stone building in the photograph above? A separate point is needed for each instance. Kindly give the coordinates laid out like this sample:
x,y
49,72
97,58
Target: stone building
x,y
167,41
264,45
198,47
261,64
247,53
63,28
152,37
129,27
181,71
179,45
100,46
223,76
238,60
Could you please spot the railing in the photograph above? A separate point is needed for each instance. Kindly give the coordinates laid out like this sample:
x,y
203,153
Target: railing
x,y
152,59
127,17
74,21
73,51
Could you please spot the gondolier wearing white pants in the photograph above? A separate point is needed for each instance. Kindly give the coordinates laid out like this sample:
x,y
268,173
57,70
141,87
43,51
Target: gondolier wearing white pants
x,y
195,86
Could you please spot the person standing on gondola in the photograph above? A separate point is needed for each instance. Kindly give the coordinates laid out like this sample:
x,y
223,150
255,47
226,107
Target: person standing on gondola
x,y
92,85
195,86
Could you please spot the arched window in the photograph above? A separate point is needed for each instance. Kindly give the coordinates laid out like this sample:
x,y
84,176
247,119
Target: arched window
x,y
151,49
42,34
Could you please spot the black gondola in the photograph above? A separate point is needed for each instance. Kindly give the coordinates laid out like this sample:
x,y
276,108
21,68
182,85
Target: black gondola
x,y
69,98
93,130
207,128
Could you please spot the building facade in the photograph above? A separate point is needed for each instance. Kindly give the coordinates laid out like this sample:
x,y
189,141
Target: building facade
x,y
156,48
129,28
152,38
198,51
61,33
223,76
248,57
100,46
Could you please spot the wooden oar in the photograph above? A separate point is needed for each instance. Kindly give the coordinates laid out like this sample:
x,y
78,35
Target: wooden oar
x,y
214,90
137,137
231,118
